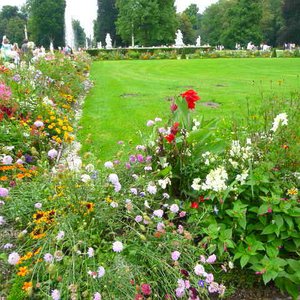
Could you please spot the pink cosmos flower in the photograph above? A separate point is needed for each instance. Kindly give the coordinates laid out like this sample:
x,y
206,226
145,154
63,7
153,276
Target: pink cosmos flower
x,y
146,289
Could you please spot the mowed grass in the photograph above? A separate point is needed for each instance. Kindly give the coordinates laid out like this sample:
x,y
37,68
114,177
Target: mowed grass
x,y
128,93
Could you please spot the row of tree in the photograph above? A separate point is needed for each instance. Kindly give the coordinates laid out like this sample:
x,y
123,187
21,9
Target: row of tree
x,y
227,22
154,22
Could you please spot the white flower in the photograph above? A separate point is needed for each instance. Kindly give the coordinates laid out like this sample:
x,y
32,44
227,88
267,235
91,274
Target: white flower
x,y
2,220
113,179
101,272
38,124
279,119
199,270
7,160
242,177
151,189
158,119
90,252
140,147
148,168
133,191
109,165
118,246
60,235
166,195
164,182
158,213
85,178
114,204
196,186
13,258
174,208
216,180
48,258
90,168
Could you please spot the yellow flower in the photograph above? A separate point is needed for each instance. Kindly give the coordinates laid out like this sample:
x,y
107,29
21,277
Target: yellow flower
x,y
23,271
65,128
70,129
58,130
27,285
52,118
50,127
293,191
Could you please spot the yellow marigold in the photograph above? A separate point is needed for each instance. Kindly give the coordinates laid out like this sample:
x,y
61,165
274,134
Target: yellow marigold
x,y
65,128
52,118
23,271
70,129
3,178
58,130
50,126
293,191
27,285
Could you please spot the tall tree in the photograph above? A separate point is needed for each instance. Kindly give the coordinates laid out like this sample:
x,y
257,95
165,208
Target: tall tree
x,y
291,14
186,27
244,25
12,22
106,17
79,34
151,22
194,16
47,21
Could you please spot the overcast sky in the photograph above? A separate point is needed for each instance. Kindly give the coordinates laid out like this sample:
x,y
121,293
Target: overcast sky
x,y
85,10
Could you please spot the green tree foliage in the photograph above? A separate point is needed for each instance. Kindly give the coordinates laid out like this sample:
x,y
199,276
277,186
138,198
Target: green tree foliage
x,y
271,21
47,21
291,15
106,17
186,27
79,34
12,22
194,16
152,22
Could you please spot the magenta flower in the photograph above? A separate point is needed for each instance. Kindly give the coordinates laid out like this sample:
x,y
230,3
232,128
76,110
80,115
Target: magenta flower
x,y
146,289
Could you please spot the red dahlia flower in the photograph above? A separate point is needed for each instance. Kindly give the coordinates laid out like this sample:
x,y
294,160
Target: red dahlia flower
x,y
190,97
170,137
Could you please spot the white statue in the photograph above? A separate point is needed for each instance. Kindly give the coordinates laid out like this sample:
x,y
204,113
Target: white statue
x,y
198,41
99,45
51,47
179,39
250,46
108,41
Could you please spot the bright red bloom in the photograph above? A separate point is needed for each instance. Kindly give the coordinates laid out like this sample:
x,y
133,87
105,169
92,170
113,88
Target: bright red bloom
x,y
194,205
170,137
146,289
190,97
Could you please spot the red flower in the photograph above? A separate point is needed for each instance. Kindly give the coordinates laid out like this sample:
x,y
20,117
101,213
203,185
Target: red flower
x,y
174,107
146,289
138,297
194,205
190,97
170,138
174,128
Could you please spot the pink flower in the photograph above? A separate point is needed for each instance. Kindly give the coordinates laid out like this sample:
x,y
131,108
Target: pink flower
x,y
118,246
202,259
48,258
175,255
38,124
174,208
138,219
150,123
38,205
158,213
179,292
146,289
182,214
211,259
209,278
3,192
52,153
101,272
180,229
55,295
97,296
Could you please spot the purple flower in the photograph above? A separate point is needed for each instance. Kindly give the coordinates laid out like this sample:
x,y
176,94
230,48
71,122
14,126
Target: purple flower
x,y
138,219
3,192
179,292
150,123
209,278
211,259
55,294
8,246
48,258
7,160
118,246
16,78
38,205
108,165
28,158
201,283
132,158
52,153
90,252
133,191
199,270
148,158
101,272
174,208
140,158
158,213
127,166
175,255
97,296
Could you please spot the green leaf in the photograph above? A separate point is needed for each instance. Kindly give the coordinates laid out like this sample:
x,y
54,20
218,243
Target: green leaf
x,y
269,275
263,209
270,229
244,260
279,221
294,264
272,251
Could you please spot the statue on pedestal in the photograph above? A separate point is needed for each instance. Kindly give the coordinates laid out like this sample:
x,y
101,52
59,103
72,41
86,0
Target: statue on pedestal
x,y
108,41
179,39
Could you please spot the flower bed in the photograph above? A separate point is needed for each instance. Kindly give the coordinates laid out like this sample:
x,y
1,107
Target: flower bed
x,y
175,219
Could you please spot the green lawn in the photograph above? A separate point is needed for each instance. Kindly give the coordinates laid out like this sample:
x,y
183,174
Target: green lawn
x,y
128,93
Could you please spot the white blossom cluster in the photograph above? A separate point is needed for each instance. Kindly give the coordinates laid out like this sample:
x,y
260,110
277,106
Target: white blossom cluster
x,y
208,158
279,119
237,151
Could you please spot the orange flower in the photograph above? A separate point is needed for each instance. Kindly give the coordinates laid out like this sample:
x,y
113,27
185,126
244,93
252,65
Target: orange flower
x,y
3,178
27,285
23,271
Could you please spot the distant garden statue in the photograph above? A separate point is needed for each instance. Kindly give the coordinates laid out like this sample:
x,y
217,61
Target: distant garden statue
x,y
179,39
108,41
198,41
